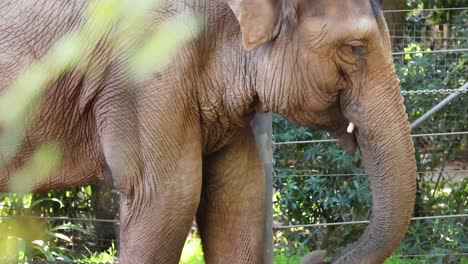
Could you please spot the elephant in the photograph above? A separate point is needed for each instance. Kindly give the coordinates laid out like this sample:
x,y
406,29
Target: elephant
x,y
179,145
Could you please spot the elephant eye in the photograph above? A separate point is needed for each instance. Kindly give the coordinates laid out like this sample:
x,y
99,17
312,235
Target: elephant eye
x,y
359,50
352,52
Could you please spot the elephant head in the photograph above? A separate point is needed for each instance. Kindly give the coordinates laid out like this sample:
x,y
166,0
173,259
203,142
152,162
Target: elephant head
x,y
328,63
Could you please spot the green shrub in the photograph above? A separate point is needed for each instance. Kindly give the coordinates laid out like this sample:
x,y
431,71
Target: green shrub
x,y
302,199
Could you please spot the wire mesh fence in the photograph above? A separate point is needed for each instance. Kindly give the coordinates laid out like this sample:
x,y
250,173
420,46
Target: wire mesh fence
x,y
419,26
55,240
430,60
442,157
423,253
428,57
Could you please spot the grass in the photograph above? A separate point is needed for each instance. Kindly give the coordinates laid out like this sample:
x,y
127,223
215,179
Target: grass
x,y
108,256
193,254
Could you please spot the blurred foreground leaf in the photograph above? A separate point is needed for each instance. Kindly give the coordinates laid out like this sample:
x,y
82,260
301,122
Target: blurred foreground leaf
x,y
37,170
123,25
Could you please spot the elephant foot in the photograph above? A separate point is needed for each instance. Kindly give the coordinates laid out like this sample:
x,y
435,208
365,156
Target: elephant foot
x,y
316,257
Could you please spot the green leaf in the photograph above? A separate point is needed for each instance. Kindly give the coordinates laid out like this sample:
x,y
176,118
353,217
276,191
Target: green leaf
x,y
72,227
44,249
60,236
163,44
38,201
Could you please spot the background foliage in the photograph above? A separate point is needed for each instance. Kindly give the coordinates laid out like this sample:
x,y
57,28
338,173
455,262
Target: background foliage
x,y
311,180
301,198
123,24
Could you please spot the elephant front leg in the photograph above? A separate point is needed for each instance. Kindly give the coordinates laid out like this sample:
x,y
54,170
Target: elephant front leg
x,y
231,212
157,170
155,231
158,202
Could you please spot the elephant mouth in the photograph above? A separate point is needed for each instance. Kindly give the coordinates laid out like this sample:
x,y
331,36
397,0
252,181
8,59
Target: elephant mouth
x,y
344,132
346,136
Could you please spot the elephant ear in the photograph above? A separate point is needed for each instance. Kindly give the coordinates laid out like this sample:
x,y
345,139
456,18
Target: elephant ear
x,y
258,20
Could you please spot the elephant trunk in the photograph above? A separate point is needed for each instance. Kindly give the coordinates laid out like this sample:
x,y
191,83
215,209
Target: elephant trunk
x,y
384,139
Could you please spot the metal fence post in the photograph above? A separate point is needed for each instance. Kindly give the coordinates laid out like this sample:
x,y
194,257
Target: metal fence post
x,y
262,128
439,106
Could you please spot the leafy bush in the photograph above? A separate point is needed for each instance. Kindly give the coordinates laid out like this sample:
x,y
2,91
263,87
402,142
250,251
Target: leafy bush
x,y
303,198
146,50
109,256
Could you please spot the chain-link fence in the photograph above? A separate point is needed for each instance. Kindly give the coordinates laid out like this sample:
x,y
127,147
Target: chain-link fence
x,y
420,26
430,61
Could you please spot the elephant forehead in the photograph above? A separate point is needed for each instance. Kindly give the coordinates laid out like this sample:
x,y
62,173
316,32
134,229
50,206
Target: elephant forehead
x,y
340,8
339,28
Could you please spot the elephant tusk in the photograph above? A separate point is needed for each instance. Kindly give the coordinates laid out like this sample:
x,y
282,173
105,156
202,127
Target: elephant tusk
x,y
351,127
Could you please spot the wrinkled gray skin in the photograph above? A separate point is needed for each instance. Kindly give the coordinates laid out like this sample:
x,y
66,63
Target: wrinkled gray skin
x,y
179,145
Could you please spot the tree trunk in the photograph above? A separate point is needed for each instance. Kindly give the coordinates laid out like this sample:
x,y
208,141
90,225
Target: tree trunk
x,y
395,20
107,207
